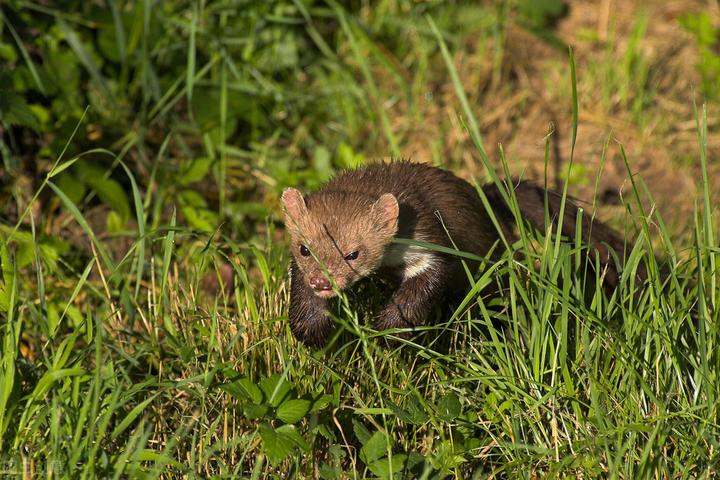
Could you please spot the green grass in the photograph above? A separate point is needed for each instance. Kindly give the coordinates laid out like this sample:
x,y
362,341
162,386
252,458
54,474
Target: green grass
x,y
117,362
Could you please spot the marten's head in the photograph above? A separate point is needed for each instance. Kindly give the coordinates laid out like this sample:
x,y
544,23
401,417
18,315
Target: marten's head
x,y
343,234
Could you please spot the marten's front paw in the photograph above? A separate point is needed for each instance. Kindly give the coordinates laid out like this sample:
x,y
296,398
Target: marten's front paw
x,y
393,316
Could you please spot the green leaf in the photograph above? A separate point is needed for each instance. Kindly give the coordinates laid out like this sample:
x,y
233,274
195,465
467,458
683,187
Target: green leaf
x,y
382,469
244,389
291,411
113,222
277,447
321,402
205,106
199,218
191,198
449,407
131,416
7,52
255,411
72,208
196,171
74,314
361,432
542,13
62,167
323,430
322,162
330,472
275,388
51,377
412,413
374,448
291,433
84,52
416,411
111,194
14,110
347,158
53,318
25,254
7,278
74,189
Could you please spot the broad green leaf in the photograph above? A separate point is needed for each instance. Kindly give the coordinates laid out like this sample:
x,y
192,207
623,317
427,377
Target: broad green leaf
x,y
199,219
254,411
374,448
244,389
275,388
251,389
330,472
449,407
277,447
347,158
382,469
7,52
411,413
291,411
191,198
416,411
361,432
113,222
322,162
111,194
73,188
321,402
14,110
291,433
196,171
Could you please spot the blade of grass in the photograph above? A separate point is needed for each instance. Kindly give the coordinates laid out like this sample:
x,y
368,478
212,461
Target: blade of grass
x,y
367,74
26,56
191,55
460,92
140,219
47,177
168,246
72,208
11,338
85,58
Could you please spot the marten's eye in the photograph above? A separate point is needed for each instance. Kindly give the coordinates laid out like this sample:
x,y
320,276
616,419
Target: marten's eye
x,y
352,256
304,251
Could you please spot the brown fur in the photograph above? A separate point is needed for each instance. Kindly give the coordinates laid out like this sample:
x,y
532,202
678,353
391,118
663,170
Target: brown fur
x,y
363,210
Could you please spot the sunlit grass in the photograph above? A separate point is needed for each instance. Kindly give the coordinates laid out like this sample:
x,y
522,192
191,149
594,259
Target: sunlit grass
x,y
129,365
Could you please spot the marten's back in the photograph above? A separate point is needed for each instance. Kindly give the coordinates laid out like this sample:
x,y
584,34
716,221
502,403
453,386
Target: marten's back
x,y
435,205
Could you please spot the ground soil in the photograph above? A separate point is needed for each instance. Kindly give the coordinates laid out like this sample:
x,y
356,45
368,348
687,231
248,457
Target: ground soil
x,y
516,108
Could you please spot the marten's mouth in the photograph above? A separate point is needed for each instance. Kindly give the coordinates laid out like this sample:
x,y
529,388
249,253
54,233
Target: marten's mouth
x,y
325,293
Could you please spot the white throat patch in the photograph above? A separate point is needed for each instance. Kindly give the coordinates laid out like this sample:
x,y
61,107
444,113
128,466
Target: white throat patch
x,y
414,260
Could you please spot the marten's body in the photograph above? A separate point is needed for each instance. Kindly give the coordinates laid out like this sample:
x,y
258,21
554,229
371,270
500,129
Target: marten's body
x,y
346,230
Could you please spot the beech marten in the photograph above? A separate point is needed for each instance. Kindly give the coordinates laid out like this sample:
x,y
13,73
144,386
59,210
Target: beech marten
x,y
346,230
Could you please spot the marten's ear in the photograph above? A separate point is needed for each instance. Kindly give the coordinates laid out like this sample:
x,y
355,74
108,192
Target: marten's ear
x,y
385,213
294,204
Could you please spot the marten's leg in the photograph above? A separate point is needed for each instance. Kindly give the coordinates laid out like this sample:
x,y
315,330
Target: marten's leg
x,y
415,298
309,319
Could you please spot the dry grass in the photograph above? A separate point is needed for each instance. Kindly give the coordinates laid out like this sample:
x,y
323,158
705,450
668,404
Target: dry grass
x,y
516,107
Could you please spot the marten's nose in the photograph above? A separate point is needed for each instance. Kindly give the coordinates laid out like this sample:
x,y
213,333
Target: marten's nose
x,y
320,283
